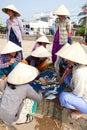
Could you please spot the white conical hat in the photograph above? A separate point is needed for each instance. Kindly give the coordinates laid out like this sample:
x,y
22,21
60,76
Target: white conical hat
x,y
22,74
74,53
61,10
40,52
11,7
10,47
44,39
63,48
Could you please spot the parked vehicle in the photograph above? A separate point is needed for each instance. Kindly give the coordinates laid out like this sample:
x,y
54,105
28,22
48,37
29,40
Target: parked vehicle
x,y
28,31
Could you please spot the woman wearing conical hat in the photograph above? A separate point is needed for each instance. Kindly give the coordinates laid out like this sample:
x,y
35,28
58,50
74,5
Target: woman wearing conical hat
x,y
39,55
14,25
63,27
17,89
76,100
9,57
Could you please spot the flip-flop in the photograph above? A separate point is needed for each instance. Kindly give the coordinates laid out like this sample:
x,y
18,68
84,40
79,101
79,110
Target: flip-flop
x,y
75,116
29,118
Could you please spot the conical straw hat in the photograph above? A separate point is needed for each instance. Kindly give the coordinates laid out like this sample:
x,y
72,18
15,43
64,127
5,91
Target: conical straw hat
x,y
44,39
22,74
40,52
61,10
63,48
10,47
74,53
11,7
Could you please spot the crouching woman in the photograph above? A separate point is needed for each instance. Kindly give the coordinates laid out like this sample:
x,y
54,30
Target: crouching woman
x,y
76,100
18,89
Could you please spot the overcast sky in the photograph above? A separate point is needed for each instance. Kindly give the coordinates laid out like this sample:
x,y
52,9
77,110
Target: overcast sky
x,y
30,7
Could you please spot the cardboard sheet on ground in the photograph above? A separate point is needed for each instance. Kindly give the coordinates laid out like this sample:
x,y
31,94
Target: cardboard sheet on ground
x,y
51,97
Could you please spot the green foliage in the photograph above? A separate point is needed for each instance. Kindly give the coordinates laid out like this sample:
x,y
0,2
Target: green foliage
x,y
83,20
3,28
81,31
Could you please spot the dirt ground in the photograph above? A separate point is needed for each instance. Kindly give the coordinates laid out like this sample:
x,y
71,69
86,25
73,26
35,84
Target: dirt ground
x,y
46,121
48,116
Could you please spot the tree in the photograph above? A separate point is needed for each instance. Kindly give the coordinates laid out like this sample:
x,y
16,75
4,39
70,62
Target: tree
x,y
3,28
83,19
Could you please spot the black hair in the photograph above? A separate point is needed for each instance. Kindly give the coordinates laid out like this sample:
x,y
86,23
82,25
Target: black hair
x,y
68,17
12,86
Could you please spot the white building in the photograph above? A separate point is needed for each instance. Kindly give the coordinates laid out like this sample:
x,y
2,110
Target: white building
x,y
42,22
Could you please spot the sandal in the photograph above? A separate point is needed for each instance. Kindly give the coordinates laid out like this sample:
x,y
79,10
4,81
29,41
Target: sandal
x,y
29,118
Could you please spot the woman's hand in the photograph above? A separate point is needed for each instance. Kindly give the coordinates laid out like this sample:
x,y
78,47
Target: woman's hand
x,y
12,61
43,81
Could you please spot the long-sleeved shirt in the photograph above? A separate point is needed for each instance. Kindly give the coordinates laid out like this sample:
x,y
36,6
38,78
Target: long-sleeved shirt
x,y
5,58
79,82
17,27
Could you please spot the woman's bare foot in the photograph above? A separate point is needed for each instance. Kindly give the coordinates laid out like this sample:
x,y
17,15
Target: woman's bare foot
x,y
76,115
